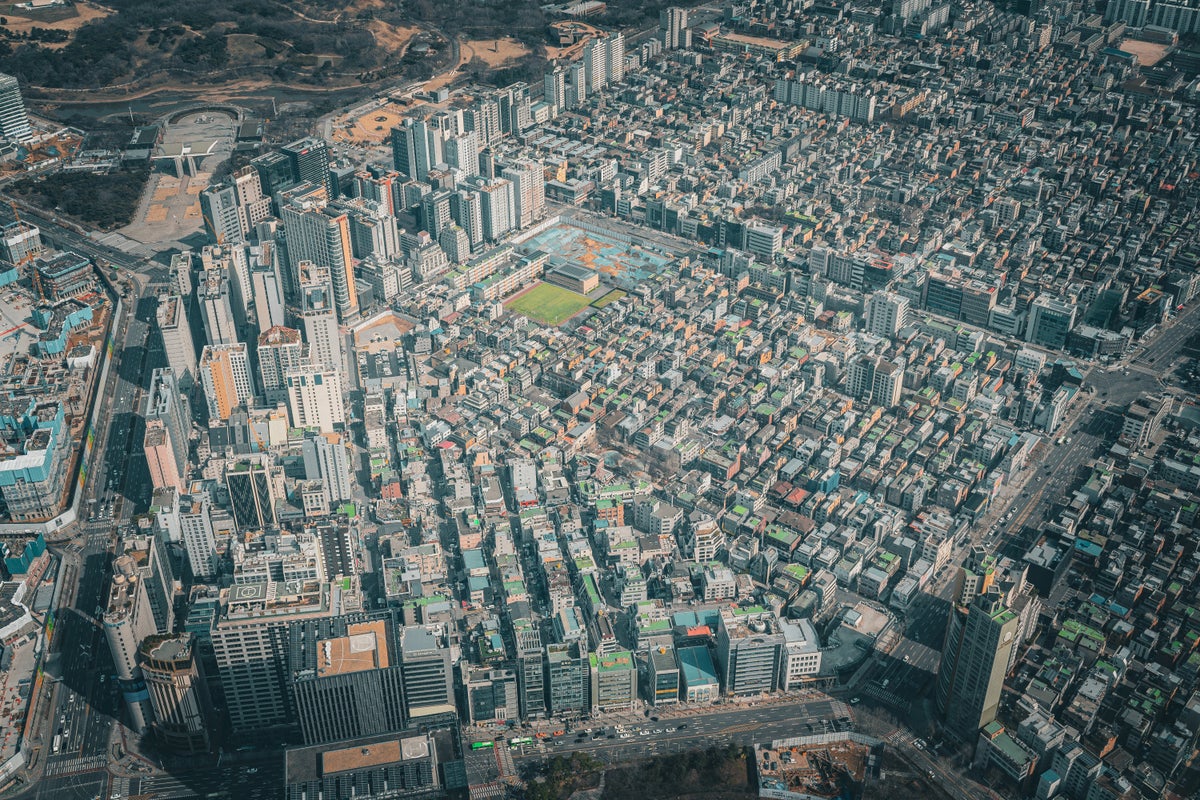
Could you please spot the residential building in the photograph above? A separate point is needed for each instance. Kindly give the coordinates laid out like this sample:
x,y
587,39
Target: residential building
x,y
673,29
887,313
180,351
280,351
225,377
199,539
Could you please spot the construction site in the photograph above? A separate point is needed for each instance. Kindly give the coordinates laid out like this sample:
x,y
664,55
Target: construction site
x,y
835,766
46,150
54,318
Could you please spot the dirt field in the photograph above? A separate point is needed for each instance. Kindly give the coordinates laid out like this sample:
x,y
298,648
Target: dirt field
x,y
371,127
394,38
1148,53
52,17
495,52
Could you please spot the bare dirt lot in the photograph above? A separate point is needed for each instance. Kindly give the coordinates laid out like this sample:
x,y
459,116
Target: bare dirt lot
x,y
62,18
394,38
370,127
494,52
1148,53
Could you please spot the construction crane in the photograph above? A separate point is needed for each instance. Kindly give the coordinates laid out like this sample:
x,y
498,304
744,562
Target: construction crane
x,y
213,228
29,256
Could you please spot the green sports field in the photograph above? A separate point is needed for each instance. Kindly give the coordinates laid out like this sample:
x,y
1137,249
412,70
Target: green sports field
x,y
548,304
611,297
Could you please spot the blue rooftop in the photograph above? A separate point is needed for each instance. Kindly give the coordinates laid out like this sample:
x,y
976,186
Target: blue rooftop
x,y
697,666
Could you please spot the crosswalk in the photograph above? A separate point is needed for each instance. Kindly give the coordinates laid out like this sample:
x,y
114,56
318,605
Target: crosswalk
x,y
898,737
166,787
70,766
487,791
890,698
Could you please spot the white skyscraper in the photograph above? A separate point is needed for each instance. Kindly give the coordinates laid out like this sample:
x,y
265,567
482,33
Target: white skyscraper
x,y
673,29
14,122
177,339
886,314
280,350
315,398
213,294
595,64
221,214
318,319
465,209
462,153
555,88
195,525
496,208
614,62
529,191
577,85
128,619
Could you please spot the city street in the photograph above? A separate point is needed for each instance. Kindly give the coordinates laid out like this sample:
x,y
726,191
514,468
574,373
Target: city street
x,y
86,704
742,724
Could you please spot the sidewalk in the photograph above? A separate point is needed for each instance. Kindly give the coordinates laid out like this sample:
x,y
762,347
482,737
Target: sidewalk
x,y
640,716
